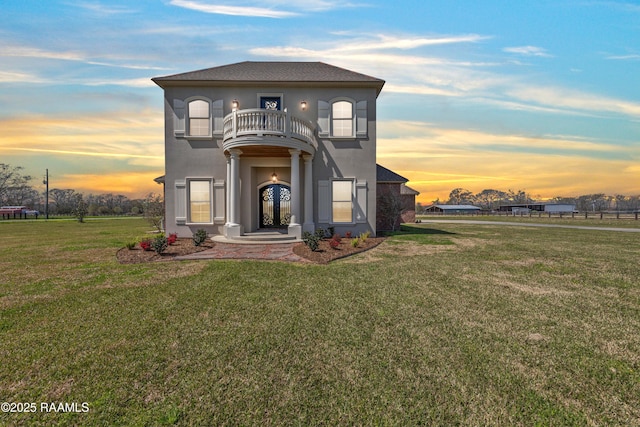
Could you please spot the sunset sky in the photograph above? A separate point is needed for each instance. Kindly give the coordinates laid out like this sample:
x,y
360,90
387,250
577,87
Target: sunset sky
x,y
540,96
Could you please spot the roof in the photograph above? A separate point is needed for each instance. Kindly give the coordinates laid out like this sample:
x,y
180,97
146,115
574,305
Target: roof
x,y
269,72
404,189
455,207
385,175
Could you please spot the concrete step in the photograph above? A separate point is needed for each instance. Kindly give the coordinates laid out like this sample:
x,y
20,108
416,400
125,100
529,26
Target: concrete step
x,y
259,237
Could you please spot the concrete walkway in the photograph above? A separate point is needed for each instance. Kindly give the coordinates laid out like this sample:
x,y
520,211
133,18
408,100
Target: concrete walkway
x,y
274,252
526,224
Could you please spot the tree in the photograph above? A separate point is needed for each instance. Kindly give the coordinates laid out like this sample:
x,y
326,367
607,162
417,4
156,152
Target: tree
x,y
153,210
390,209
490,199
14,187
65,200
460,196
80,209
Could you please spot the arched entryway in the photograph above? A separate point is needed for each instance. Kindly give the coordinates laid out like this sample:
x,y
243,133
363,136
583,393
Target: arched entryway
x,y
275,205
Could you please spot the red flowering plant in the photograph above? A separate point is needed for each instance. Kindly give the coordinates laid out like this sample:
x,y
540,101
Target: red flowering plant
x,y
347,235
335,241
146,245
171,239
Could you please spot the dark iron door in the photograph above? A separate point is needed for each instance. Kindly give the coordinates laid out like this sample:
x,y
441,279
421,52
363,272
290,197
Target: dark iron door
x,y
275,206
270,103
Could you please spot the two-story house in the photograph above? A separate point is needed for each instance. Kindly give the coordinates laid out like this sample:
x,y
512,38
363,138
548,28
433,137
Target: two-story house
x,y
259,145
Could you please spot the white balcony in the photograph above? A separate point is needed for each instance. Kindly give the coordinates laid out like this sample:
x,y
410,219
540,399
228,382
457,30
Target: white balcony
x,y
268,127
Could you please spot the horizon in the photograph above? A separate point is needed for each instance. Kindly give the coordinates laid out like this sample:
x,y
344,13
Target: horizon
x,y
541,98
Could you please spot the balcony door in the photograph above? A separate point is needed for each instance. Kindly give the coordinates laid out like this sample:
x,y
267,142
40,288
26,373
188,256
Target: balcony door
x,y
271,103
275,206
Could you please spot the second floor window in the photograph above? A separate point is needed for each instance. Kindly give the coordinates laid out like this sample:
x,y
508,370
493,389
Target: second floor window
x,y
342,119
199,118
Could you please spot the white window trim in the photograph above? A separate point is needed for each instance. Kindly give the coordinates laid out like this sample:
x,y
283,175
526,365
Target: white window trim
x,y
188,200
353,118
187,119
352,181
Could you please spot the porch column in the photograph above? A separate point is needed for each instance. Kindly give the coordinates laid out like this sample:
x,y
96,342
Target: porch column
x,y
295,185
233,228
228,195
308,194
294,226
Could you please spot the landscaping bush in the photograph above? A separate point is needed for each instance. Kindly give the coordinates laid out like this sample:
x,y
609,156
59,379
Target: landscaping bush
x,y
312,240
159,244
171,239
334,243
146,244
320,233
130,245
199,236
355,242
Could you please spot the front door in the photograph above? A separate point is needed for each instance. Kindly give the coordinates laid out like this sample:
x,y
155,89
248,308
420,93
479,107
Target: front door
x,y
275,206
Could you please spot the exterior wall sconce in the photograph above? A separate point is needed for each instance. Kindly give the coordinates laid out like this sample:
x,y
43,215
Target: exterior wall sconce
x,y
274,177
235,104
303,105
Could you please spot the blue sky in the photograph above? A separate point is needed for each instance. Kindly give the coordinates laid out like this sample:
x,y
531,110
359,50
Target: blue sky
x,y
538,96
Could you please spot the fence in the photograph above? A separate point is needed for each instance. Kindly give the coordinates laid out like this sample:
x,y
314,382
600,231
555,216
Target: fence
x,y
537,214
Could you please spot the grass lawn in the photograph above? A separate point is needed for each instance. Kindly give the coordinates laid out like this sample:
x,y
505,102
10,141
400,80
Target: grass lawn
x,y
447,324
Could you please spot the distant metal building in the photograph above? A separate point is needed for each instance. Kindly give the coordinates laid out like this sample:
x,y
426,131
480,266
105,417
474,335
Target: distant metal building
x,y
539,207
453,209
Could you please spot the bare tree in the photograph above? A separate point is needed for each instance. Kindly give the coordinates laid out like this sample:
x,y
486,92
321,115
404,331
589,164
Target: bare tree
x,y
390,209
460,196
153,210
14,187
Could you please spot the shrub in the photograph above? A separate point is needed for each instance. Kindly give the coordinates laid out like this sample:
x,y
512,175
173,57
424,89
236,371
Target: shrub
x,y
334,243
337,237
364,236
131,245
332,231
355,242
171,239
159,244
146,244
311,240
320,233
199,236
347,235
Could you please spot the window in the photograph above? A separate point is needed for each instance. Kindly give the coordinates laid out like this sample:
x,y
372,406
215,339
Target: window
x,y
200,201
342,119
342,201
199,118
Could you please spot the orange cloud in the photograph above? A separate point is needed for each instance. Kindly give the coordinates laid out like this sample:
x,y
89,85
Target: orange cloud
x,y
440,160
131,184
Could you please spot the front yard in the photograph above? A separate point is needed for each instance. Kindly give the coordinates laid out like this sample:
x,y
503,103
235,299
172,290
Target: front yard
x,y
442,325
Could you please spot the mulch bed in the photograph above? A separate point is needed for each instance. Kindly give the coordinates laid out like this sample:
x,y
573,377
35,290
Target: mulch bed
x,y
184,246
180,247
326,253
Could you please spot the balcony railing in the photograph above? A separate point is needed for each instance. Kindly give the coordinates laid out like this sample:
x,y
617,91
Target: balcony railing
x,y
259,122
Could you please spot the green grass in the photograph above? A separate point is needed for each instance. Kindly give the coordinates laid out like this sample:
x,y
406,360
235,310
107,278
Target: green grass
x,y
608,220
444,324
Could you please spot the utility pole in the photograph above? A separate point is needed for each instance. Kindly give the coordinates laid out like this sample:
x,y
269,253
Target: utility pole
x,y
46,197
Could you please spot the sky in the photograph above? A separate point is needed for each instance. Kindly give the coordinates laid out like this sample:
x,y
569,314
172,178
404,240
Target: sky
x,y
540,96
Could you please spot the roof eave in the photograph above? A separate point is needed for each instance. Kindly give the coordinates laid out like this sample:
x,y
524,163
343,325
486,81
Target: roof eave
x,y
165,83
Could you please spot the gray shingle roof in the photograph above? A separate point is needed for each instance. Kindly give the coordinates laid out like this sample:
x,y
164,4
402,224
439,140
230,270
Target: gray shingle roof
x,y
258,72
385,175
404,189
